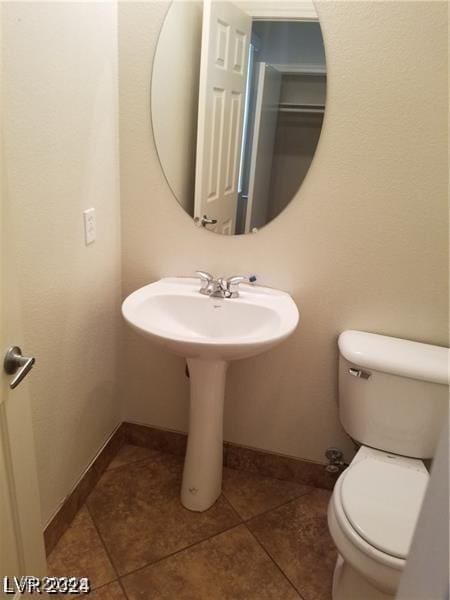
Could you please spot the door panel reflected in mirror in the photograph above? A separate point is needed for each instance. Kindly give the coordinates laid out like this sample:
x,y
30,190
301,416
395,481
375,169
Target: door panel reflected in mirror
x,y
237,110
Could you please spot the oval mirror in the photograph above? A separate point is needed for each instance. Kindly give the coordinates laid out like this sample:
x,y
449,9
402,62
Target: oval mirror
x,y
237,100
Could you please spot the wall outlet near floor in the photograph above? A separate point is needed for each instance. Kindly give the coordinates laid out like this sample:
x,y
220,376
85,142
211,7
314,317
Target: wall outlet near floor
x,y
90,227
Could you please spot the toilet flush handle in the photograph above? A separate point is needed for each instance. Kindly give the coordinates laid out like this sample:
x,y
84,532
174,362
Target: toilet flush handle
x,y
359,373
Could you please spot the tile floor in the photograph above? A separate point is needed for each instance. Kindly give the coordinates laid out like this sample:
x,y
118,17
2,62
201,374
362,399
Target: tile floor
x,y
264,539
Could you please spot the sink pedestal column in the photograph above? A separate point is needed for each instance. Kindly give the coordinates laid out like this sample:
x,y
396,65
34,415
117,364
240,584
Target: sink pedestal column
x,y
202,475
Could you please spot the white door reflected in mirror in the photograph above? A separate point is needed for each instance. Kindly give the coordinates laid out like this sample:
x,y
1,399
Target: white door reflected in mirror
x,y
238,96
225,44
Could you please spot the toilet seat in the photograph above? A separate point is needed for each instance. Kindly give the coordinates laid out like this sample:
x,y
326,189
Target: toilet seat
x,y
379,567
381,501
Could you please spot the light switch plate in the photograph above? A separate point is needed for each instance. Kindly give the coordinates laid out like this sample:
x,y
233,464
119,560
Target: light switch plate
x,y
90,228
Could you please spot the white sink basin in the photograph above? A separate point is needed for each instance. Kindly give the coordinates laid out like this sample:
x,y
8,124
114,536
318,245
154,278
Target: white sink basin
x,y
208,332
173,313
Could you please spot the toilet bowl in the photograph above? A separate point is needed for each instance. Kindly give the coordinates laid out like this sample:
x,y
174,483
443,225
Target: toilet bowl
x,y
393,399
371,517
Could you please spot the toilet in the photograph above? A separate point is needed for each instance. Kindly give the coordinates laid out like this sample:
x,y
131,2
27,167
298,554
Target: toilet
x,y
393,400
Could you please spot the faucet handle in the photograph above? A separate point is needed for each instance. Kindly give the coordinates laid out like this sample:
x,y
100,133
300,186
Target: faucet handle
x,y
232,283
204,276
235,280
206,279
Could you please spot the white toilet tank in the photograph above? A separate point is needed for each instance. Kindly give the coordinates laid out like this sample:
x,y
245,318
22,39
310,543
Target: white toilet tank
x,y
393,393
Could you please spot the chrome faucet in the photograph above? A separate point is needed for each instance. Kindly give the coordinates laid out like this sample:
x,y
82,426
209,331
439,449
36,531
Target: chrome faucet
x,y
221,287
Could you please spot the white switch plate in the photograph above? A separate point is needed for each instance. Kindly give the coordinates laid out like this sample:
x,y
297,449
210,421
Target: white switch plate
x,y
90,228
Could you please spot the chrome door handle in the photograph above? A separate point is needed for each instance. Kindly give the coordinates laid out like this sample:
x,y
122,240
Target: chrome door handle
x,y
203,221
16,364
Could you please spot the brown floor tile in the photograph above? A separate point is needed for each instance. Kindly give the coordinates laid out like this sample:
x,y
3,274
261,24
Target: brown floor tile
x,y
296,536
129,454
80,553
250,494
230,566
140,517
112,591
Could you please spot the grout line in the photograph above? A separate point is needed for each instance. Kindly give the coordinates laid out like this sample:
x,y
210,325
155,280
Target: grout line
x,y
120,577
266,550
280,505
123,588
267,553
284,504
157,561
264,512
100,587
241,521
106,551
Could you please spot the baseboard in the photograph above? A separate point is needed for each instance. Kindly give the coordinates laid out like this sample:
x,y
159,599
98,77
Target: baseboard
x,y
63,517
173,442
235,456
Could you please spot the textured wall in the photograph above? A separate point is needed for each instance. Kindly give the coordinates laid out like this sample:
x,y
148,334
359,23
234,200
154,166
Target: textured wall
x,y
363,245
59,85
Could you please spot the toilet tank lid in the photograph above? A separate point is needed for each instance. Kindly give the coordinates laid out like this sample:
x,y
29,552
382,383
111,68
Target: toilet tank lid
x,y
396,356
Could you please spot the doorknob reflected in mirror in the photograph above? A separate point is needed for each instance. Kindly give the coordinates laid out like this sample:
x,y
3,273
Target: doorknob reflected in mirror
x,y
16,364
243,108
205,220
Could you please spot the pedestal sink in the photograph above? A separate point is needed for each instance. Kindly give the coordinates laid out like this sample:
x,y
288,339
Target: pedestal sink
x,y
209,332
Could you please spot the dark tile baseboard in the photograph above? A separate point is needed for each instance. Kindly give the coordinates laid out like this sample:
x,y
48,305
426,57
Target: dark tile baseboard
x,y
278,466
236,457
163,440
81,491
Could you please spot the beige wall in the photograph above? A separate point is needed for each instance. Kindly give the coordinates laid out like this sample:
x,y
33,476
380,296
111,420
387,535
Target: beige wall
x,y
59,85
363,245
